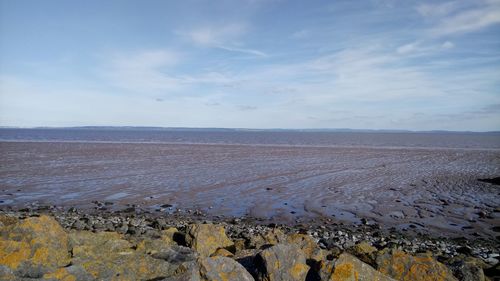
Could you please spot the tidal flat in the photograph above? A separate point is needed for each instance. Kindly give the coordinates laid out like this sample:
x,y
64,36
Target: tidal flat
x,y
417,183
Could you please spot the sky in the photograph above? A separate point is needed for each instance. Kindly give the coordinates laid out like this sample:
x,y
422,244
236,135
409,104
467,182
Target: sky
x,y
367,64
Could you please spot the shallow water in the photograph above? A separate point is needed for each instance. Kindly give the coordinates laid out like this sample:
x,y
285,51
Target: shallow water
x,y
428,181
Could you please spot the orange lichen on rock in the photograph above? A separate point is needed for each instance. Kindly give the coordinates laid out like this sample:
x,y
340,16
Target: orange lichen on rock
x,y
297,270
343,272
61,274
223,269
349,268
12,253
403,266
207,238
35,242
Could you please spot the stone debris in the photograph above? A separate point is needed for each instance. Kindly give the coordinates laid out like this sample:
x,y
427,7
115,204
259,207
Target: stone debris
x,y
42,247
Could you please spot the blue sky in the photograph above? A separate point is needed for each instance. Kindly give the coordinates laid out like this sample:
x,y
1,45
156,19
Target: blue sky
x,y
376,64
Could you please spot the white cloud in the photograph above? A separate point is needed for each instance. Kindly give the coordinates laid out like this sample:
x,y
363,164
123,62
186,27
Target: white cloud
x,y
421,48
301,34
146,59
458,17
448,45
245,51
224,37
407,48
216,35
143,71
438,10
468,21
150,72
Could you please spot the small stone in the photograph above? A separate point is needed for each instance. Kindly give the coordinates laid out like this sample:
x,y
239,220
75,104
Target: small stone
x,y
239,244
270,237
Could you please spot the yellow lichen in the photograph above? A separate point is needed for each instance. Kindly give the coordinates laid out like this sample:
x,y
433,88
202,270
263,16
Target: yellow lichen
x,y
405,267
61,274
343,272
12,253
41,255
298,271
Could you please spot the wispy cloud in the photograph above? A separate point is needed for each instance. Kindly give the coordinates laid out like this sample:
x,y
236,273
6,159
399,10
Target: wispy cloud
x,y
242,50
435,10
152,71
423,48
246,107
225,37
301,34
458,17
216,35
377,63
141,71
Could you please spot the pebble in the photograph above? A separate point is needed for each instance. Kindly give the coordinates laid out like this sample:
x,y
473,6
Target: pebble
x,y
134,221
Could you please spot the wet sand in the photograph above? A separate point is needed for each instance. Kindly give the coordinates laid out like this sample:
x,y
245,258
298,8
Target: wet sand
x,y
427,190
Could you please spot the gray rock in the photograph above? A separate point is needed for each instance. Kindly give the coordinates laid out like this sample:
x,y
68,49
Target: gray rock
x,y
467,271
223,269
176,255
348,267
281,262
189,271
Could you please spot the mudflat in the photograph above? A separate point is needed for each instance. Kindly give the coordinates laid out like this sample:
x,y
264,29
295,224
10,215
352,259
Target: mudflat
x,y
433,190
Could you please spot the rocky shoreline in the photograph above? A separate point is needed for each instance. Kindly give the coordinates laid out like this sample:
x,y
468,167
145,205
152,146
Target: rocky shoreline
x,y
99,246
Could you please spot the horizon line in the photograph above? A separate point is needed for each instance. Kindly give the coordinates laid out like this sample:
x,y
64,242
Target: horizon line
x,y
248,129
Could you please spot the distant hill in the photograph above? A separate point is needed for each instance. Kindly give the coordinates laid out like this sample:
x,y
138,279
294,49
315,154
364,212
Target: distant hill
x,y
339,130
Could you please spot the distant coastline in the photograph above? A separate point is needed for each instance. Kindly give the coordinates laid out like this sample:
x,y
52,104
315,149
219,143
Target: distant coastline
x,y
216,129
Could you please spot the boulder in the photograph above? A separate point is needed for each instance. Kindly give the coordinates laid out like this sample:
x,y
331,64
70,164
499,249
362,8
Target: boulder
x,y
188,271
349,268
7,220
468,268
402,266
211,269
207,238
308,246
270,237
33,246
239,244
365,252
221,252
76,273
223,269
324,270
153,246
6,274
170,235
493,272
106,255
247,259
281,262
176,255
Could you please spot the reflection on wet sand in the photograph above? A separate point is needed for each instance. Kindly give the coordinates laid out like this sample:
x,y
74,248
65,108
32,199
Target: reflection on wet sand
x,y
435,189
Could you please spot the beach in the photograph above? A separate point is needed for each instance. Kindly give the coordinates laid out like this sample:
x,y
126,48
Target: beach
x,y
433,202
431,190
